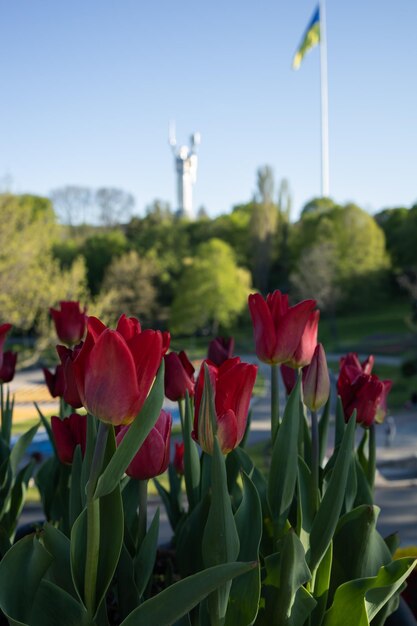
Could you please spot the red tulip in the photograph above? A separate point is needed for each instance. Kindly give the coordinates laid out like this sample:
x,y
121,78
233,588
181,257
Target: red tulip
x,y
7,370
178,461
352,360
289,377
115,369
232,385
70,390
68,433
152,458
316,381
283,334
179,376
220,349
55,381
70,322
362,391
4,329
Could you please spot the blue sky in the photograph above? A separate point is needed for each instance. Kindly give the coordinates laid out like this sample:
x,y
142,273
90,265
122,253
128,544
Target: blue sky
x,y
88,89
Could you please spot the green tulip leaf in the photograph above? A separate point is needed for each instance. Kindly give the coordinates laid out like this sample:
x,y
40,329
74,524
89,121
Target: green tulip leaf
x,y
284,461
357,602
287,603
189,538
47,425
145,559
324,429
134,438
21,573
75,503
178,599
321,587
340,423
330,507
58,545
220,539
306,503
127,594
55,606
367,549
19,449
191,458
245,591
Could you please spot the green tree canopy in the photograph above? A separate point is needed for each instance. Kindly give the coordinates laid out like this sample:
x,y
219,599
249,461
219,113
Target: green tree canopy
x,y
212,290
31,278
357,240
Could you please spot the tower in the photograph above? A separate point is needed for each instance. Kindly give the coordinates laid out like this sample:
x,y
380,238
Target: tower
x,y
186,161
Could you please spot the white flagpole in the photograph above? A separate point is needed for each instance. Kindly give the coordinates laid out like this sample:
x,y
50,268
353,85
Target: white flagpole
x,y
324,104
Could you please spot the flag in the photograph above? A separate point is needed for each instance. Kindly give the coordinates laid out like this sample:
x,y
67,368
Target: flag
x,y
310,39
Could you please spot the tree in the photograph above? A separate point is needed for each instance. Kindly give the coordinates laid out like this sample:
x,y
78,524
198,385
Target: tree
x,y
114,205
73,204
359,244
212,290
31,278
263,227
128,288
99,250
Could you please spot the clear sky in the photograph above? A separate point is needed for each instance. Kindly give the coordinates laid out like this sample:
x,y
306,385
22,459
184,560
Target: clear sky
x,y
89,86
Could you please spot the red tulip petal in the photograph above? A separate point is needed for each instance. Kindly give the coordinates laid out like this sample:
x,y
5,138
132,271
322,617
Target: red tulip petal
x,y
63,439
233,392
263,328
291,329
305,350
278,305
128,327
146,350
110,387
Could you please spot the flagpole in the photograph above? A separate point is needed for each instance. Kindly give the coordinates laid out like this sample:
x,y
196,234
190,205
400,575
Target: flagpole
x,y
324,104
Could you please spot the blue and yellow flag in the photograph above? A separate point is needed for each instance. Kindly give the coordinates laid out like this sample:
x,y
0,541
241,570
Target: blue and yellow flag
x,y
310,39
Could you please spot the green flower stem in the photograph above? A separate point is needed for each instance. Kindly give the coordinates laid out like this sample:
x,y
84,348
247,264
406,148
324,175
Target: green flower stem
x,y
93,521
274,401
143,510
372,457
181,408
315,455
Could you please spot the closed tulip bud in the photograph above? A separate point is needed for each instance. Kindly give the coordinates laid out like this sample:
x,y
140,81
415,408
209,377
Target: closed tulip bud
x,y
4,329
115,369
7,370
316,382
152,458
179,376
220,349
70,322
68,433
178,461
230,391
283,334
55,381
70,392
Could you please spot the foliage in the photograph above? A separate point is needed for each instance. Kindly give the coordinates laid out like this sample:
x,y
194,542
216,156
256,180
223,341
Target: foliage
x,y
212,290
400,228
128,288
31,277
99,250
357,240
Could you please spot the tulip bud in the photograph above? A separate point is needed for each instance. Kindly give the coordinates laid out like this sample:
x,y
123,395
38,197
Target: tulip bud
x,y
55,381
68,433
178,461
179,376
8,368
70,322
220,349
316,383
4,329
207,413
152,458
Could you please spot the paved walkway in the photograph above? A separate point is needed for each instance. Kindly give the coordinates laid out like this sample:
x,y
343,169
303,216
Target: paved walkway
x,y
397,498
